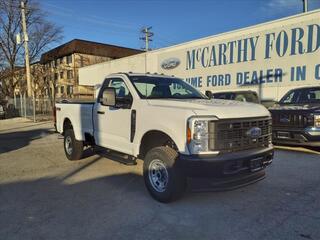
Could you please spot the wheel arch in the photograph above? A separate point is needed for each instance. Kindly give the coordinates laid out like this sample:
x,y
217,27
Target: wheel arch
x,y
155,138
66,125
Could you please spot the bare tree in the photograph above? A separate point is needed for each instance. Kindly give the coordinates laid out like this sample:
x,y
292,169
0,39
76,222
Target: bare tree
x,y
41,35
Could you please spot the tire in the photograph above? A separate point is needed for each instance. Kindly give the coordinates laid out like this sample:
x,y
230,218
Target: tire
x,y
168,183
72,147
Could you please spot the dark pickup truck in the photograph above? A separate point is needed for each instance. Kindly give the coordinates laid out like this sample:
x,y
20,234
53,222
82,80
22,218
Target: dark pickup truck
x,y
296,118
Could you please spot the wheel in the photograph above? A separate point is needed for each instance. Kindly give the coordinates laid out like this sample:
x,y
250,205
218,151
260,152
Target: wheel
x,y
72,147
163,179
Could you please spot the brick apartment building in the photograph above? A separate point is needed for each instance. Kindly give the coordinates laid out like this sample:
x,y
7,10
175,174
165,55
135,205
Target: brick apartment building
x,y
61,65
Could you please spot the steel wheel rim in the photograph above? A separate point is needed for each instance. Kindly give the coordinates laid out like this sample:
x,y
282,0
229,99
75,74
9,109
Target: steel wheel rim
x,y
68,145
158,175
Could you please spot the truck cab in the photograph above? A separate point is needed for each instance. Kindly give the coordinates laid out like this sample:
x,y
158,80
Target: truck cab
x,y
176,130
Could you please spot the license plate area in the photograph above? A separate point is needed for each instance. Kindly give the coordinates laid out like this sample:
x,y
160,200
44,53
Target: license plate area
x,y
256,164
283,135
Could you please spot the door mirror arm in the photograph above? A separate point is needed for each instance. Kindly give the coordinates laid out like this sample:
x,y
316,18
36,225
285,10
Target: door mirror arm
x,y
209,94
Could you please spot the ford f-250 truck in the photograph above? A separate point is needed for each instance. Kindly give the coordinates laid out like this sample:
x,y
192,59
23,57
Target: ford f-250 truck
x,y
174,128
296,118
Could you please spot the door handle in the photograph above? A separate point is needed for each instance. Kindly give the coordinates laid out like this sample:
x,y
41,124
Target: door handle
x,y
100,112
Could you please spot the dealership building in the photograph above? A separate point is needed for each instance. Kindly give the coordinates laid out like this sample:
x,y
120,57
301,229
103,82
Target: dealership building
x,y
269,58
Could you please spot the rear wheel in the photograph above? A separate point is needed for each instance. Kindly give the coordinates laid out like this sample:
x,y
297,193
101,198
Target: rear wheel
x,y
164,180
72,147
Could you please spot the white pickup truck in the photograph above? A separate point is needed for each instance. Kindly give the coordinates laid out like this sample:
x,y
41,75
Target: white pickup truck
x,y
175,129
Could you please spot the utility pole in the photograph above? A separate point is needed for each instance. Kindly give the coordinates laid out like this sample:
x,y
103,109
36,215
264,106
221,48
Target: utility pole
x,y
26,48
147,37
305,5
27,61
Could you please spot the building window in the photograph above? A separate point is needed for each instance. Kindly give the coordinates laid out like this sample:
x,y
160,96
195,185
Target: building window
x,y
69,74
69,59
61,75
60,60
81,61
62,89
69,89
56,76
56,62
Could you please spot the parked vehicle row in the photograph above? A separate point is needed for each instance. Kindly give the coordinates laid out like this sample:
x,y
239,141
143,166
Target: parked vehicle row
x,y
175,129
296,117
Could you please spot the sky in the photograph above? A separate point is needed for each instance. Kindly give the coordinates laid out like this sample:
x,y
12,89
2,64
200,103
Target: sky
x,y
173,21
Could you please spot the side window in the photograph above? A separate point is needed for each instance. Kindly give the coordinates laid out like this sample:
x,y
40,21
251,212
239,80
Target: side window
x,y
312,95
120,87
123,96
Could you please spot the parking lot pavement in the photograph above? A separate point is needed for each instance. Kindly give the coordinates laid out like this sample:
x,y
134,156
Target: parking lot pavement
x,y
44,196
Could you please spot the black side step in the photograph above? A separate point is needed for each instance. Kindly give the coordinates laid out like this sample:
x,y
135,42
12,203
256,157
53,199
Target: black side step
x,y
116,156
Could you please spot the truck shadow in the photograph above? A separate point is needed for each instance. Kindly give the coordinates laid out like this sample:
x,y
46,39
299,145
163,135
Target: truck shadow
x,y
15,140
58,209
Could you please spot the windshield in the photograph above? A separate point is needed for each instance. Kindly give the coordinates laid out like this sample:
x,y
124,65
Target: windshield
x,y
302,96
163,88
247,97
238,96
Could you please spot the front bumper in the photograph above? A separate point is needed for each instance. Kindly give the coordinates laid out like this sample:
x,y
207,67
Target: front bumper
x,y
225,165
299,137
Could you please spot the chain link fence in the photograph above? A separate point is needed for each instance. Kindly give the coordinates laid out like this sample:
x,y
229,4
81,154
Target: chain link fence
x,y
21,106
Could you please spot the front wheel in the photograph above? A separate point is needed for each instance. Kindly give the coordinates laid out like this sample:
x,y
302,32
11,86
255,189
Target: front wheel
x,y
164,180
72,147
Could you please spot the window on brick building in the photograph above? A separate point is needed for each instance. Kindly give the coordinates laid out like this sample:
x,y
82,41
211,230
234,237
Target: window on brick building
x,y
69,89
69,74
69,59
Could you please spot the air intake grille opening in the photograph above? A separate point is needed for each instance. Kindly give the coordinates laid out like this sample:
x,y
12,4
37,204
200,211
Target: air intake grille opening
x,y
232,135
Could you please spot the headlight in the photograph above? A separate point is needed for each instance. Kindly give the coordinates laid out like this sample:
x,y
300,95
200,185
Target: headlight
x,y
317,121
197,134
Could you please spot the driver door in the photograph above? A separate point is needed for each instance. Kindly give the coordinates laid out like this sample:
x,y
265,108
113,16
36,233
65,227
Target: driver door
x,y
113,124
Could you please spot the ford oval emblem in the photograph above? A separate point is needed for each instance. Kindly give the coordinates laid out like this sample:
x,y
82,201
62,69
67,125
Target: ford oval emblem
x,y
170,63
254,132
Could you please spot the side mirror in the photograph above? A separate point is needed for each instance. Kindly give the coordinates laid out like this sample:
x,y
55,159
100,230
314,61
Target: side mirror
x,y
208,94
108,97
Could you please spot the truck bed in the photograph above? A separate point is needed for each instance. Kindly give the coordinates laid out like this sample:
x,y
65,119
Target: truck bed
x,y
77,112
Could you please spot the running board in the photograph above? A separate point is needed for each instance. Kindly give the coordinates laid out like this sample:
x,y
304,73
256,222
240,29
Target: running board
x,y
116,156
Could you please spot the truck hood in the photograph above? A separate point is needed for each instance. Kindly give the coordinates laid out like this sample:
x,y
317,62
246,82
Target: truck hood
x,y
222,109
296,107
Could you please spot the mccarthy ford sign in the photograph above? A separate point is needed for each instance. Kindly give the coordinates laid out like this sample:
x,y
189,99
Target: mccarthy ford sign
x,y
296,41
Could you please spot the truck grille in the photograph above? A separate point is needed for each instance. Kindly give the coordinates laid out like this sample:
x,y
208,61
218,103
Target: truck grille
x,y
231,135
290,120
